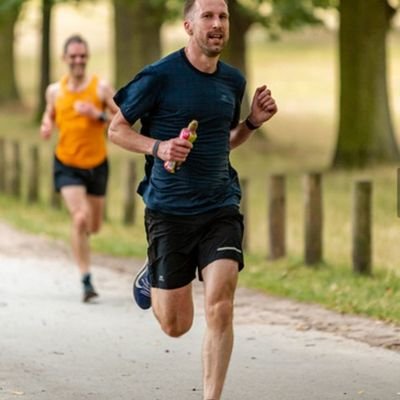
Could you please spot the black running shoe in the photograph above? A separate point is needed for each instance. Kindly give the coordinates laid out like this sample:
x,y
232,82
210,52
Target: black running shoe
x,y
88,289
88,294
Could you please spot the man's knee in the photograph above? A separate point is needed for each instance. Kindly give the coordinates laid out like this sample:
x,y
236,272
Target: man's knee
x,y
95,228
81,221
219,314
175,326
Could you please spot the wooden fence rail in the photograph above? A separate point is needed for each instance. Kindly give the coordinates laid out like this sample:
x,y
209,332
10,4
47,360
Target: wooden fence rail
x,y
11,177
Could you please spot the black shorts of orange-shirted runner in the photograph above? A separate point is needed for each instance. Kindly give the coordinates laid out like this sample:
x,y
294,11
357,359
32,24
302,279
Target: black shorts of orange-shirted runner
x,y
93,179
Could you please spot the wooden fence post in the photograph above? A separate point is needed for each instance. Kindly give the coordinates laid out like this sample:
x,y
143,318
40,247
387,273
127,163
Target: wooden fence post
x,y
276,213
2,166
33,175
15,170
130,199
313,219
361,252
244,211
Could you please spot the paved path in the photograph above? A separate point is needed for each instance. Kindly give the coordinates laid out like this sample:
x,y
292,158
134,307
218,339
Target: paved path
x,y
54,347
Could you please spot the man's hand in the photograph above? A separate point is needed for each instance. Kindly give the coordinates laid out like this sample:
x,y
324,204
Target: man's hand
x,y
46,129
175,149
87,109
263,106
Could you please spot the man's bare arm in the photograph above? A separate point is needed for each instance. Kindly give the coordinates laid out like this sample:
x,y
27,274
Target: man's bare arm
x,y
122,134
263,107
108,98
47,124
106,112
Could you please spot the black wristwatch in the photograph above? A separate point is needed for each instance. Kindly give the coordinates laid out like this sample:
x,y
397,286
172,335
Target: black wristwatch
x,y
249,125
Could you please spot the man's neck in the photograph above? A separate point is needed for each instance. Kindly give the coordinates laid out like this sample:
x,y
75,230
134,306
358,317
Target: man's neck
x,y
77,82
200,61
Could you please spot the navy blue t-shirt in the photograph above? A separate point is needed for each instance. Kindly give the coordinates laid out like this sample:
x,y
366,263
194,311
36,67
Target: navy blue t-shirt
x,y
166,96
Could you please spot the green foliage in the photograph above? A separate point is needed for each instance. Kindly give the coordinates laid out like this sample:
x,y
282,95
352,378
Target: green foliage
x,y
325,3
7,5
278,15
292,14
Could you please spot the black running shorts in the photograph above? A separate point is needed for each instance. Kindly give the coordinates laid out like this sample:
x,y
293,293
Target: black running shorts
x,y
93,179
180,246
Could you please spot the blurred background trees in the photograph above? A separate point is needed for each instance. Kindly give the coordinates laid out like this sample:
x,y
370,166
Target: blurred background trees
x,y
365,131
366,134
9,13
137,27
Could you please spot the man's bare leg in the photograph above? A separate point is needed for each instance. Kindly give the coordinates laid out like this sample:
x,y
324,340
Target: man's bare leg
x,y
87,215
173,309
79,210
96,206
220,280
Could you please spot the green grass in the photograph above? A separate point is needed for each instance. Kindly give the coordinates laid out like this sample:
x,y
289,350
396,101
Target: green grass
x,y
333,286
302,73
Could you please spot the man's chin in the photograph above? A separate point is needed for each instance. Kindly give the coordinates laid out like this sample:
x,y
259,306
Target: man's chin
x,y
214,51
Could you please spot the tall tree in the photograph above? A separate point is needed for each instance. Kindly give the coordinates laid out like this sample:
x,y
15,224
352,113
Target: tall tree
x,y
45,64
9,11
366,133
137,35
277,16
235,52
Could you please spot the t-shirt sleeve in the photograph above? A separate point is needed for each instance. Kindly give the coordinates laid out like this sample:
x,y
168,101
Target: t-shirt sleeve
x,y
139,96
238,104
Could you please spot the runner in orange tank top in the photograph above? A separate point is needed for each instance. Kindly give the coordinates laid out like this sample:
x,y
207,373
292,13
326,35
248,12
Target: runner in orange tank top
x,y
80,106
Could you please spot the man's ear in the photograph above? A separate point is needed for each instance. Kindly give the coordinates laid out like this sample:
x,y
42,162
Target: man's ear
x,y
188,28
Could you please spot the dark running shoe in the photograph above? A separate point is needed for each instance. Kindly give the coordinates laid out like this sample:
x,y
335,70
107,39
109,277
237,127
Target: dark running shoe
x,y
88,289
142,288
88,294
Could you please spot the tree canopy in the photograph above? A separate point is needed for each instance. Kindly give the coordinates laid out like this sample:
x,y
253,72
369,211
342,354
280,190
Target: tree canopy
x,y
365,133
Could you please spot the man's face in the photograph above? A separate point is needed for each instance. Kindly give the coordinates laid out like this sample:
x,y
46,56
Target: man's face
x,y
208,23
76,58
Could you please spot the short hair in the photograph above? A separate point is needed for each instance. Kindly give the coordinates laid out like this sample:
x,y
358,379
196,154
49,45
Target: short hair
x,y
75,39
189,6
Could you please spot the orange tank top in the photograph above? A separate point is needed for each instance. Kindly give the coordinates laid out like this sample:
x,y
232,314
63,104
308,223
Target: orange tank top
x,y
81,141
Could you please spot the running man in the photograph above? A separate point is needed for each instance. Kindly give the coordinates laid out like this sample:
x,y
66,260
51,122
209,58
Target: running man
x,y
192,217
80,106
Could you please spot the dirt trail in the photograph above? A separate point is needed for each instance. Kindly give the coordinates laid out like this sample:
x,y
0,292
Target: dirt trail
x,y
251,306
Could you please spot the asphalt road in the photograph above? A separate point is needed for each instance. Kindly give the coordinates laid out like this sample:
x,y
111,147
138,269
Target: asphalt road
x,y
52,346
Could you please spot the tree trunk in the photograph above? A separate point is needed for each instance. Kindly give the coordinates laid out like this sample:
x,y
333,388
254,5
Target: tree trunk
x,y
235,51
45,64
365,129
137,36
8,18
